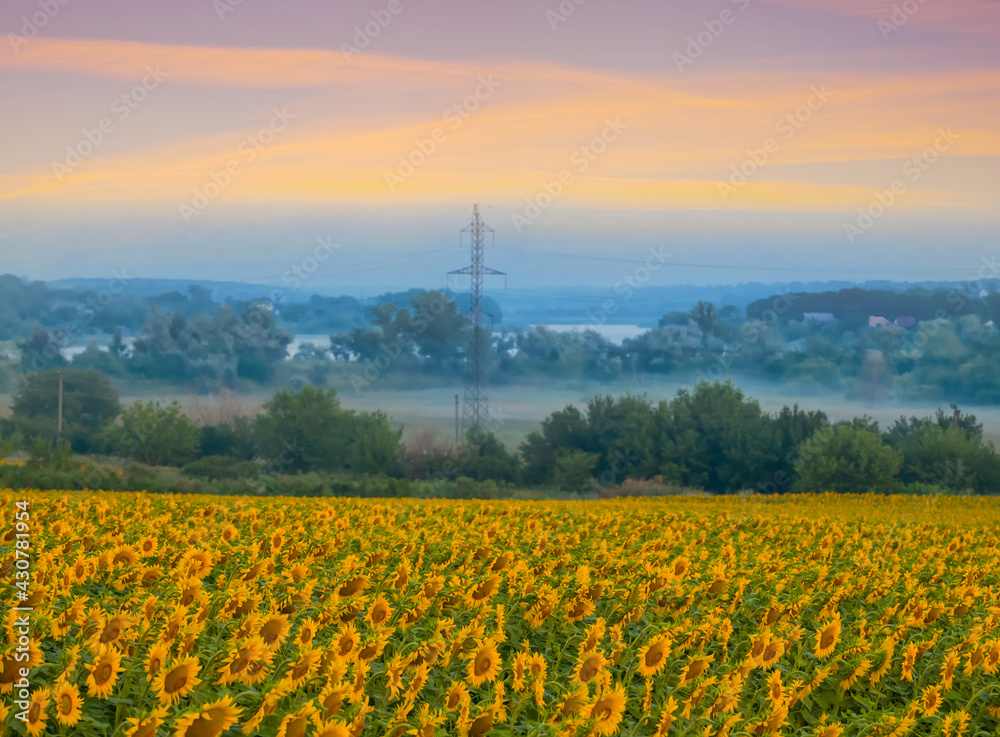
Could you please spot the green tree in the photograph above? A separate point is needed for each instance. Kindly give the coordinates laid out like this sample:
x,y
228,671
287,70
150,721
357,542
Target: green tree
x,y
89,403
704,315
715,438
374,444
574,469
565,429
483,457
439,330
845,459
155,435
41,351
93,357
306,430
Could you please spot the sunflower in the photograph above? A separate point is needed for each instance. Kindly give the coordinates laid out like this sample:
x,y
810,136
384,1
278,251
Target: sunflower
x,y
148,609
210,720
331,701
695,668
353,586
666,718
347,642
267,707
239,664
519,670
427,722
930,700
772,653
607,710
68,702
331,728
594,634
124,555
859,671
104,672
357,692
146,726
394,675
274,630
681,566
829,730
484,664
948,668
195,563
417,682
379,613
481,592
35,717
653,656
479,726
81,570
174,682
147,546
373,647
432,588
457,696
306,633
190,592
302,668
156,658
590,667
775,689
573,706
72,654
827,637
297,724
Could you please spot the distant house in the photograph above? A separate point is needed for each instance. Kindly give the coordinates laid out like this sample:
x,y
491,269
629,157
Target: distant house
x,y
822,317
905,321
877,321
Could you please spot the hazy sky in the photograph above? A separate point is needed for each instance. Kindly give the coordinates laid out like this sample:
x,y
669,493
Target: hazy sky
x,y
222,139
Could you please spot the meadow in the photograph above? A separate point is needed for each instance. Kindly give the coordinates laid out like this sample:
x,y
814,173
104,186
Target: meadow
x,y
744,615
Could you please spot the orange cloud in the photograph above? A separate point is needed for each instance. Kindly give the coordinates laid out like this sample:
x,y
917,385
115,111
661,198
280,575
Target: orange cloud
x,y
684,133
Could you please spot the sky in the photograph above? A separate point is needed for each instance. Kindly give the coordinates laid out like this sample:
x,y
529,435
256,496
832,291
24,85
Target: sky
x,y
763,140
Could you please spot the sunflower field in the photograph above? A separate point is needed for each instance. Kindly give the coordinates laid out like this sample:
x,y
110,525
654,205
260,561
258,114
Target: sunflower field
x,y
206,616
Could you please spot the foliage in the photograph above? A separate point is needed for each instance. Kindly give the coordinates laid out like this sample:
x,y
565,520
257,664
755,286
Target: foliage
x,y
89,403
52,455
308,430
154,434
482,456
846,459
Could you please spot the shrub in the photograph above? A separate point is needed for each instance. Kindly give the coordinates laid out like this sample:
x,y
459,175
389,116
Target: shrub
x,y
845,459
155,435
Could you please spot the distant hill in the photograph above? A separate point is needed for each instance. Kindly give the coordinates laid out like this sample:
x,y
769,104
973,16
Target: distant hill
x,y
619,303
221,290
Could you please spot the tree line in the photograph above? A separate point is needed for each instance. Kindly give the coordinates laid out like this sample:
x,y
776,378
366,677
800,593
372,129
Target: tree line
x,y
711,437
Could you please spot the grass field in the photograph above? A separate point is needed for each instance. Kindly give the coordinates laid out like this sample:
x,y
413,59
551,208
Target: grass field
x,y
208,616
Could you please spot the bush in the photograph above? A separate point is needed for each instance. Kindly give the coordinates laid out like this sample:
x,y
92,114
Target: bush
x,y
46,454
845,459
307,430
155,435
211,467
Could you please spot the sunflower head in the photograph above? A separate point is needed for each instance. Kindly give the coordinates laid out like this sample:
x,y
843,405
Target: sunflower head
x,y
176,681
